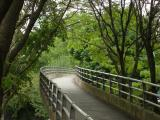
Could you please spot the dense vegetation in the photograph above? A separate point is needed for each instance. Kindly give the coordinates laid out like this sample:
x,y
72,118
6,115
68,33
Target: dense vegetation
x,y
116,37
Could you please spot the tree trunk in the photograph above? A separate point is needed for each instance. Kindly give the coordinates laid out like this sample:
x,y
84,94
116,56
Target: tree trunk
x,y
2,116
7,28
123,73
2,57
18,47
152,69
4,6
122,65
149,50
1,96
136,60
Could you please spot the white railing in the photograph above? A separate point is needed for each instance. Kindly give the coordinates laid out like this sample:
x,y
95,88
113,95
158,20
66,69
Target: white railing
x,y
61,104
134,90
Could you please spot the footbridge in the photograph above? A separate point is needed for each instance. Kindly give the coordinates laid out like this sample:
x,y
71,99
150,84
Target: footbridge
x,y
84,94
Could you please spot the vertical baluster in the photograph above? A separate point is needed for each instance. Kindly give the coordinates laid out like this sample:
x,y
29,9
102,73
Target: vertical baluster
x,y
144,94
72,113
40,83
87,76
64,105
84,75
54,97
81,74
130,90
97,79
90,76
50,93
48,90
119,86
58,106
103,81
93,78
110,84
76,71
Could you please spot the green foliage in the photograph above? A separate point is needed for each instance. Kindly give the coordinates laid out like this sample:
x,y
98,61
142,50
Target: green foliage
x,y
28,99
158,73
75,41
8,81
145,74
58,55
86,45
84,42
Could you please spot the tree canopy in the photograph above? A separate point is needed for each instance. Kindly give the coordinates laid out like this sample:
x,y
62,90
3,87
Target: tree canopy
x,y
120,37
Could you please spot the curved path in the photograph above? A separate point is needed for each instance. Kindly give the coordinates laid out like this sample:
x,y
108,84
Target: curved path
x,y
97,109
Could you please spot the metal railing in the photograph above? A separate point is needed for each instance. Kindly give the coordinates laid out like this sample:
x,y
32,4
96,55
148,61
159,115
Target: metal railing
x,y
134,90
59,101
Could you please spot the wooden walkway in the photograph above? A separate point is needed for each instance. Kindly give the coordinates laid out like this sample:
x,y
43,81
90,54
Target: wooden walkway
x,y
97,109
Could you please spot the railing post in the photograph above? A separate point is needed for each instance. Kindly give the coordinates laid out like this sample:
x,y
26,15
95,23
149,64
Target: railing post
x,y
91,77
144,94
64,103
119,87
47,88
130,90
81,72
84,75
103,82
72,113
77,71
54,97
110,84
41,82
59,105
94,79
97,79
50,93
88,76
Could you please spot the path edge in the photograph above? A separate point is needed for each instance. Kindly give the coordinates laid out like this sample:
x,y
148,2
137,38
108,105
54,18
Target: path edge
x,y
136,112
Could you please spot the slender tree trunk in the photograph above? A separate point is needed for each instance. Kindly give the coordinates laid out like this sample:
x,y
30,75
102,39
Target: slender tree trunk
x,y
136,60
152,68
122,65
149,50
123,73
134,71
139,48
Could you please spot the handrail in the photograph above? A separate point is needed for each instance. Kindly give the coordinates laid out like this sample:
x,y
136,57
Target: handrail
x,y
122,86
61,104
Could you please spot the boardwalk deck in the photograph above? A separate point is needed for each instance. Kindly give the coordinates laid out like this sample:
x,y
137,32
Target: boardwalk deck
x,y
97,109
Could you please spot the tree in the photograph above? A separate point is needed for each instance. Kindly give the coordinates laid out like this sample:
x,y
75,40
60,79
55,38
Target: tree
x,y
84,42
119,33
7,26
17,20
147,13
115,21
